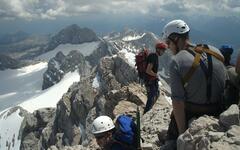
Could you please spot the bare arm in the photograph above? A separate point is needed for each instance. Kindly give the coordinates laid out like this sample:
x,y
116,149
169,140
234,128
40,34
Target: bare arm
x,y
179,114
150,71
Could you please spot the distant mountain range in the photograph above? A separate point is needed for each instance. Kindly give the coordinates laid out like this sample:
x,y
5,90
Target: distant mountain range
x,y
13,37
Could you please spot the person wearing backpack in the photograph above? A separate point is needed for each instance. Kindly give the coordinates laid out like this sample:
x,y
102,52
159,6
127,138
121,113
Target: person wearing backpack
x,y
197,78
151,81
109,136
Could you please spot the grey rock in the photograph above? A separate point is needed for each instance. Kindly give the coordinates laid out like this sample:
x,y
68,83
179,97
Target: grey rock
x,y
60,65
234,131
30,142
33,126
104,49
154,124
230,117
115,72
7,62
210,133
215,136
108,80
204,122
203,144
114,97
124,73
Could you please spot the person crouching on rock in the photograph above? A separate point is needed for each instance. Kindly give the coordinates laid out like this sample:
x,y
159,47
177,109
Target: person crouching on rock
x,y
104,131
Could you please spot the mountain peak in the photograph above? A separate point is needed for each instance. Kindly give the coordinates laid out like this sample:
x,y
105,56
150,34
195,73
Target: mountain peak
x,y
72,34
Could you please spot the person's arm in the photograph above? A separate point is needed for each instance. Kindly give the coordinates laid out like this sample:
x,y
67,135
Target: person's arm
x,y
177,96
238,65
150,71
179,115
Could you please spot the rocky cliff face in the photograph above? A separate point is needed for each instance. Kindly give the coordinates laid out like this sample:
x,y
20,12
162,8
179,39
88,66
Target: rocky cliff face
x,y
115,72
211,133
69,125
33,126
7,62
104,49
60,65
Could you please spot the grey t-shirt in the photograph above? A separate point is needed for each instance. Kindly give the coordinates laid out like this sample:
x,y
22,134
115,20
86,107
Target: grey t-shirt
x,y
195,91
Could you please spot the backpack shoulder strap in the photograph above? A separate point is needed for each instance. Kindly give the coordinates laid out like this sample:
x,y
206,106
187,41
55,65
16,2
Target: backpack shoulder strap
x,y
194,66
196,51
200,49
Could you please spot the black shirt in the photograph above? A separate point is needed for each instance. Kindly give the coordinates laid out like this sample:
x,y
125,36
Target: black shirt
x,y
153,59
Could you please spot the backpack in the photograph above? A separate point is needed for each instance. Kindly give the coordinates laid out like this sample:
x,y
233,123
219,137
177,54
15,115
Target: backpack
x,y
230,94
141,64
126,132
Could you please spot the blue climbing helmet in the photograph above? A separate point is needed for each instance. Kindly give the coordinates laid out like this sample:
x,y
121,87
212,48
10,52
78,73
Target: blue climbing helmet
x,y
226,49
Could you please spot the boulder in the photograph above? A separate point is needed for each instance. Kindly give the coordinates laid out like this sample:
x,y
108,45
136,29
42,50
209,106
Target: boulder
x,y
207,132
230,117
33,126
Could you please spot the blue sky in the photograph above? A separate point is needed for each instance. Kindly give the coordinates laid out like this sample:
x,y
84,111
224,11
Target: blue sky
x,y
47,16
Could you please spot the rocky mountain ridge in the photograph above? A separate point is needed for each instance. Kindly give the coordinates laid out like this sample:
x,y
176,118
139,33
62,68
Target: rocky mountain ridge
x,y
68,126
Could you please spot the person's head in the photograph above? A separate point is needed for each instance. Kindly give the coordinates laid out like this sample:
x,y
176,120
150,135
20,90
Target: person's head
x,y
102,129
176,35
160,48
226,51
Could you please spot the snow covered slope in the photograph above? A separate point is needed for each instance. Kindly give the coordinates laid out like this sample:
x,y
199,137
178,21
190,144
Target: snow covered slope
x,y
50,96
85,48
21,84
10,122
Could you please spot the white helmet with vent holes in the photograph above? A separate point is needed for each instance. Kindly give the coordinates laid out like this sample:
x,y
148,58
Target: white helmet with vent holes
x,y
102,124
175,26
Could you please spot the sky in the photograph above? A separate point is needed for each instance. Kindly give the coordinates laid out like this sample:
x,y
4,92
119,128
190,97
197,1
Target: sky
x,y
47,15
205,17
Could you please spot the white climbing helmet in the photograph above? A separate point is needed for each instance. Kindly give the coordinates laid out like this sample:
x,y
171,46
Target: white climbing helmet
x,y
102,124
175,26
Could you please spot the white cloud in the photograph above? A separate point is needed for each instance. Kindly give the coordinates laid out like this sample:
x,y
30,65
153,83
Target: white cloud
x,y
49,9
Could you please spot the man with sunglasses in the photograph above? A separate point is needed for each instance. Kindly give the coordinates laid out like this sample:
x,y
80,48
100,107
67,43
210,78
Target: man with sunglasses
x,y
151,82
202,93
103,129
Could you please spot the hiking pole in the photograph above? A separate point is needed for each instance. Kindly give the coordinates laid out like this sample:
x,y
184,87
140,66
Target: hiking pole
x,y
138,129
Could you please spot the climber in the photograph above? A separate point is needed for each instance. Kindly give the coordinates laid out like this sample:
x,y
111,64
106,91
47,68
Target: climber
x,y
227,51
111,137
233,84
151,82
197,78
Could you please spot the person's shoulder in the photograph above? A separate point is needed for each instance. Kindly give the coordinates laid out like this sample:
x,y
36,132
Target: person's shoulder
x,y
182,55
